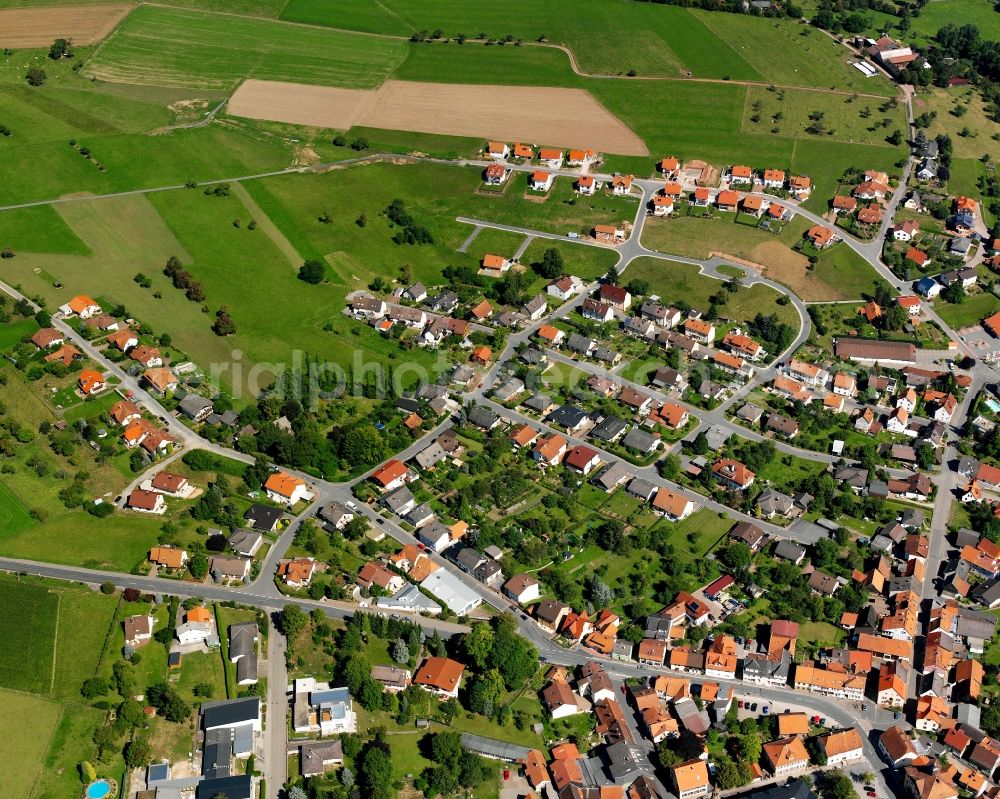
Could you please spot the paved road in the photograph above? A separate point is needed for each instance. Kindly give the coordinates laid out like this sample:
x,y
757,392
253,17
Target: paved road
x,y
268,599
276,731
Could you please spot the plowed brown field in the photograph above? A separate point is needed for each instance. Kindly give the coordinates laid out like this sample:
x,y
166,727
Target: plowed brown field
x,y
557,117
39,27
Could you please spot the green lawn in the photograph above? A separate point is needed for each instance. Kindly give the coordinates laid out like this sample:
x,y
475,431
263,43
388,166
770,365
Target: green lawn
x,y
820,633
971,115
970,311
674,281
787,471
172,47
846,273
120,541
587,263
697,534
28,723
14,516
938,13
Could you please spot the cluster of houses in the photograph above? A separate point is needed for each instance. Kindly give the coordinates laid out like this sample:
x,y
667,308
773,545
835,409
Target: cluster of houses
x,y
753,202
616,764
895,409
150,496
243,544
669,705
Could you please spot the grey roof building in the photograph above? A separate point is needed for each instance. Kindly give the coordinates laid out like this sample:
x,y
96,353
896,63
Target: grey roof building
x,y
612,475
641,440
789,550
641,488
539,403
430,456
610,428
316,757
420,514
568,416
400,501
335,514
195,407
482,417
246,542
264,517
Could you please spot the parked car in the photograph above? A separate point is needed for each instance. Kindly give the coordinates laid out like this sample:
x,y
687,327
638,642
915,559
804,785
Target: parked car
x,y
753,708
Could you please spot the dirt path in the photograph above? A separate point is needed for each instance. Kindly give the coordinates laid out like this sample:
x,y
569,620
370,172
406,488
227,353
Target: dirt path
x,y
270,229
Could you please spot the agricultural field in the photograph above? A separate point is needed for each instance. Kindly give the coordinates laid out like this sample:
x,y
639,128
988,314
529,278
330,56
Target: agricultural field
x,y
38,27
172,47
674,281
665,41
55,635
556,116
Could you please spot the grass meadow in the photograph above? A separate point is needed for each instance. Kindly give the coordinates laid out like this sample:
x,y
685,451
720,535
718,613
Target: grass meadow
x,y
846,118
663,41
173,47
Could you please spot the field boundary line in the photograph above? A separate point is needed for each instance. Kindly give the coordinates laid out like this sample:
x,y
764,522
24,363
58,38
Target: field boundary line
x,y
55,644
108,38
395,14
48,744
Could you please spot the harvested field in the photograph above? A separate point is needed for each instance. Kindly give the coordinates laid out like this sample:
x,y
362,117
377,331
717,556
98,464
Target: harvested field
x,y
558,117
298,103
39,27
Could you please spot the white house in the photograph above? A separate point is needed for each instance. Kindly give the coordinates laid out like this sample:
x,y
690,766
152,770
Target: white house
x,y
193,632
139,630
522,588
841,747
565,287
560,700
498,150
898,421
541,181
286,488
319,708
82,306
